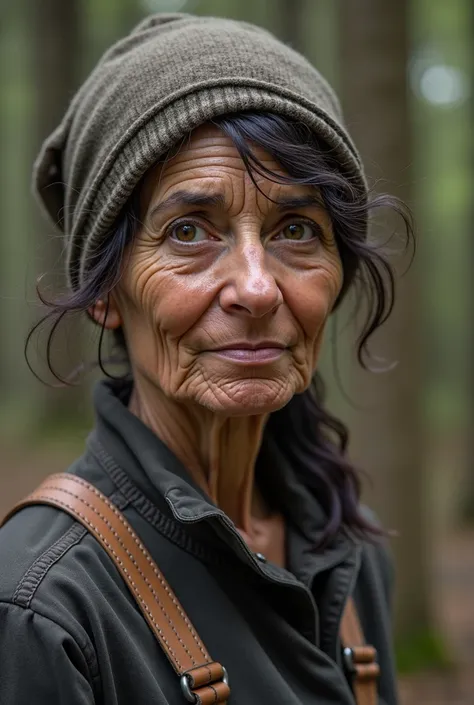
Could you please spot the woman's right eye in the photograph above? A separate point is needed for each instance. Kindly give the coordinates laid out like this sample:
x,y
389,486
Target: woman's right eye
x,y
187,232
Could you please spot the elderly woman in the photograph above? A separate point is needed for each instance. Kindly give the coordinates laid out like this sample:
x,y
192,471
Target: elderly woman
x,y
215,213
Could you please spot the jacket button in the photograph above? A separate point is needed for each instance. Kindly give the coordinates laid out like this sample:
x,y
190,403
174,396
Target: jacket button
x,y
260,557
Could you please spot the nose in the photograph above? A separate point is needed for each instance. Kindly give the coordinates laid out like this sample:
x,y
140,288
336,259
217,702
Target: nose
x,y
251,289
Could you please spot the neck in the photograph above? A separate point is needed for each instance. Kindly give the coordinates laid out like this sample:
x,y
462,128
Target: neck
x,y
218,452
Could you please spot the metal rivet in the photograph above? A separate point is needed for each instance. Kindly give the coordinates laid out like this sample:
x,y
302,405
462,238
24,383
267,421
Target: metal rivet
x,y
261,557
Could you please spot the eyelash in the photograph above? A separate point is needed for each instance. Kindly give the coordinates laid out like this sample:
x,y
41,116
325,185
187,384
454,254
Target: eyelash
x,y
315,228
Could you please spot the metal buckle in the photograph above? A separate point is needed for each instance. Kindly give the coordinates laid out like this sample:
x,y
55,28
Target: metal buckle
x,y
188,693
349,659
361,662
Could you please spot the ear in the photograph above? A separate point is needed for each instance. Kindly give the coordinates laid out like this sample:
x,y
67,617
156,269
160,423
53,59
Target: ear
x,y
106,313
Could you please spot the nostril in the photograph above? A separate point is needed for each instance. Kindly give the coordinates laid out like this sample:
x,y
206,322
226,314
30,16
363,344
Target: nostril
x,y
237,307
255,307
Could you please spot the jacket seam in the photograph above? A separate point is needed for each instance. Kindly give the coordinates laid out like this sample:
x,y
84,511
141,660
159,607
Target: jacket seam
x,y
34,575
165,525
38,570
86,648
335,614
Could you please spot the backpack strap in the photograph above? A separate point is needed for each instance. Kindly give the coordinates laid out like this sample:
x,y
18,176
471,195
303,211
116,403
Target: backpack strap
x,y
203,681
359,657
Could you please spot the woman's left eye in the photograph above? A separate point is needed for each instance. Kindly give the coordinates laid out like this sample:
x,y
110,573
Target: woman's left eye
x,y
187,232
297,231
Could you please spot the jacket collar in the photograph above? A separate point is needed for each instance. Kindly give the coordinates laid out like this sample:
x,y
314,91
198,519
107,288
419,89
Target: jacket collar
x,y
160,475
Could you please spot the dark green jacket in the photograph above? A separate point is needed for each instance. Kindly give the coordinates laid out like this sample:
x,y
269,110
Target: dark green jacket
x,y
71,634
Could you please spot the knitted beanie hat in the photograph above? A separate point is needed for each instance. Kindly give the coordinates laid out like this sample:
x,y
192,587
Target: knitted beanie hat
x,y
173,73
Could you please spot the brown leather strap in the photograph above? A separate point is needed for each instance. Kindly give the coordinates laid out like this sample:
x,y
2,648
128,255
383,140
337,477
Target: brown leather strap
x,y
203,681
360,658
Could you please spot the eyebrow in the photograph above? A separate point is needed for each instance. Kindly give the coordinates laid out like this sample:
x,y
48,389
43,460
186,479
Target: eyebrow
x,y
188,198
295,202
217,200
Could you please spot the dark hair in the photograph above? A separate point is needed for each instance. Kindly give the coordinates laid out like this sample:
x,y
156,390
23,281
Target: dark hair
x,y
314,441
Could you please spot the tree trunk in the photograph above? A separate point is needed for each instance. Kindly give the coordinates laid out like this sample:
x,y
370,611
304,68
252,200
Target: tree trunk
x,y
55,50
291,19
467,504
387,431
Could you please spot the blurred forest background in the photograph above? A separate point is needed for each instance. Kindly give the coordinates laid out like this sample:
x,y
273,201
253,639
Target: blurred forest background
x,y
405,72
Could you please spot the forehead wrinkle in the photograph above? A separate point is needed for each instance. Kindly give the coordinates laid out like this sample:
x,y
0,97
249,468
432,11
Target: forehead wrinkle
x,y
209,138
202,186
265,200
213,147
273,198
204,161
244,197
236,191
228,177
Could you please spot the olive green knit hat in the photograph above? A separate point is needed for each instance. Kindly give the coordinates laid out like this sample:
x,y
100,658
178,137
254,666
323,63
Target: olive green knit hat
x,y
171,74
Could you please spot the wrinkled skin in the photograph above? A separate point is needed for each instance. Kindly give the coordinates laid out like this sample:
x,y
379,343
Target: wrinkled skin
x,y
238,269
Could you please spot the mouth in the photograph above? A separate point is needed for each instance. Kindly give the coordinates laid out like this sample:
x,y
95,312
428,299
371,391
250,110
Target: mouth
x,y
253,353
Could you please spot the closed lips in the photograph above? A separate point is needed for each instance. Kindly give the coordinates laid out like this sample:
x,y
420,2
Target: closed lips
x,y
252,346
246,352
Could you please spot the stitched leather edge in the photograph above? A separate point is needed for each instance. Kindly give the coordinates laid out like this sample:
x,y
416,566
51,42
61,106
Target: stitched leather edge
x,y
37,571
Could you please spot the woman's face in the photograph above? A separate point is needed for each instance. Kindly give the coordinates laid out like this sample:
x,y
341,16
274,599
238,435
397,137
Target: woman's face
x,y
227,288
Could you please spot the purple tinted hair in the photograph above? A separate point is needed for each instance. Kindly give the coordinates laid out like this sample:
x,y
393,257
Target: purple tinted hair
x,y
313,441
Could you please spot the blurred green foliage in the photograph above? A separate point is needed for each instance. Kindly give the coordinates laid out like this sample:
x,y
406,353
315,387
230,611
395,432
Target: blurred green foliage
x,y
441,39
422,651
440,34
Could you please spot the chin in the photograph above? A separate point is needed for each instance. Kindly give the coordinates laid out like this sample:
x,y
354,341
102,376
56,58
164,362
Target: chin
x,y
248,398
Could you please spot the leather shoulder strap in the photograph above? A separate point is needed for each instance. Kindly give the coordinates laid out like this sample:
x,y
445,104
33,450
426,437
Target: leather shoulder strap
x,y
359,657
203,680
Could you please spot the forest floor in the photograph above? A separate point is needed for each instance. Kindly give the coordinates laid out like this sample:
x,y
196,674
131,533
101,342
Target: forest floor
x,y
453,579
454,602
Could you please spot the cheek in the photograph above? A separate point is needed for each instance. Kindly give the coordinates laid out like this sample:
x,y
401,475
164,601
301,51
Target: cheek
x,y
311,300
166,299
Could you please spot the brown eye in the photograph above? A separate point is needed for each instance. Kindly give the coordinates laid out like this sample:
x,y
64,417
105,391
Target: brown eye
x,y
188,232
297,231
